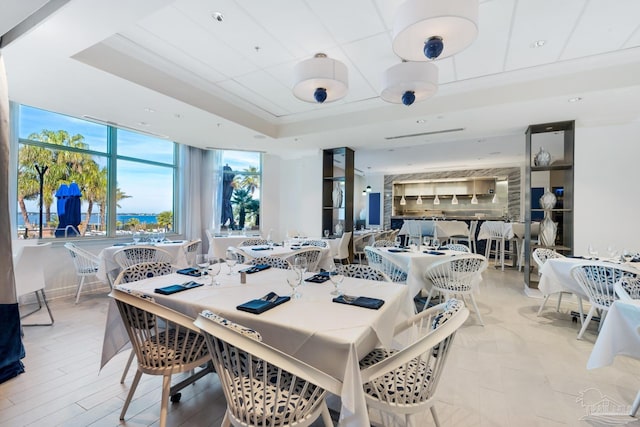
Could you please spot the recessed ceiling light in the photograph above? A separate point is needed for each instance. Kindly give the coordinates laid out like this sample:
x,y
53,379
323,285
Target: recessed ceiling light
x,y
494,153
575,99
420,121
143,124
217,16
177,116
538,43
258,136
149,110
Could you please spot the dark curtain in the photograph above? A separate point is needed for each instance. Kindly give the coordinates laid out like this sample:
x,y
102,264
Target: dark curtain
x,y
11,349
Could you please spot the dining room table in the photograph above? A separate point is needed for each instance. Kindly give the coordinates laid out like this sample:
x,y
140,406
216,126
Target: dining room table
x,y
619,335
330,336
219,244
108,268
286,250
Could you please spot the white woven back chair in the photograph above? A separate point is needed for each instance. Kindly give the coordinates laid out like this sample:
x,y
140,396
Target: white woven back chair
x,y
85,263
540,256
459,247
380,262
272,261
165,342
311,253
456,277
404,382
318,243
30,278
359,242
190,250
262,385
343,247
254,242
132,255
495,232
628,288
242,256
383,243
597,281
361,271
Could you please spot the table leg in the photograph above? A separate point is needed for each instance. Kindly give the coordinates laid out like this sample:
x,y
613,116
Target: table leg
x,y
636,404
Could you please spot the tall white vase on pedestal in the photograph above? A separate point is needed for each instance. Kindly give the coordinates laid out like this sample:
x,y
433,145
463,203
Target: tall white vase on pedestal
x,y
548,228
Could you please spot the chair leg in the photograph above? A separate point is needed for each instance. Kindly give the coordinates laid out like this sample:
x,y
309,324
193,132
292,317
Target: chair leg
x,y
580,309
559,301
435,416
546,298
164,405
226,422
326,416
132,390
127,366
426,304
475,307
502,246
586,322
636,404
79,288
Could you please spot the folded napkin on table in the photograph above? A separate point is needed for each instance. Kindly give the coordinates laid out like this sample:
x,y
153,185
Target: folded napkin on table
x,y
433,252
366,302
635,259
398,250
120,244
575,256
255,268
172,289
262,249
193,272
318,278
267,302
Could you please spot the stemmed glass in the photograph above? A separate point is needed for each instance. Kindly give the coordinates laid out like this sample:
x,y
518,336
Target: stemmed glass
x,y
300,263
593,252
294,279
336,277
231,260
136,237
326,234
214,269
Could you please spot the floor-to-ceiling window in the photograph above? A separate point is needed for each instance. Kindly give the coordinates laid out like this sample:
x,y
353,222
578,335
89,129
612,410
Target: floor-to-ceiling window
x,y
91,179
239,203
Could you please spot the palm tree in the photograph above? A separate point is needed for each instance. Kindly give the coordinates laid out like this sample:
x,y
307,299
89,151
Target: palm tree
x,y
243,204
133,223
165,219
250,180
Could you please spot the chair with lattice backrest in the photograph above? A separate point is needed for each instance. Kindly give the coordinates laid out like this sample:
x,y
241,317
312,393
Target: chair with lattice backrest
x,y
254,242
85,263
597,281
318,243
262,385
459,247
272,261
382,263
311,253
362,271
136,272
133,255
383,244
30,278
165,343
190,251
628,288
456,276
540,256
404,381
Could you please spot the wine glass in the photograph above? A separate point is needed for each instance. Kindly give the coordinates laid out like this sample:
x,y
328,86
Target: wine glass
x,y
398,242
326,234
214,269
300,263
203,262
231,260
294,278
593,251
612,251
336,277
136,237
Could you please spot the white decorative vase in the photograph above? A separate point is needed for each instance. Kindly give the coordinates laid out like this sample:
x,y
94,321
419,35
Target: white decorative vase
x,y
548,228
543,158
337,196
339,229
548,200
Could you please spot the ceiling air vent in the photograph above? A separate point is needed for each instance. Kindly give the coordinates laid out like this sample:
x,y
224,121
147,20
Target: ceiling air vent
x,y
435,132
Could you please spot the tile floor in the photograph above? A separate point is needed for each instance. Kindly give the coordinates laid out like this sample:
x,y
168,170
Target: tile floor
x,y
517,370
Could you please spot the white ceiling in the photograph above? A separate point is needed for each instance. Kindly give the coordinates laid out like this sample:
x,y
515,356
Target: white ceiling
x,y
168,68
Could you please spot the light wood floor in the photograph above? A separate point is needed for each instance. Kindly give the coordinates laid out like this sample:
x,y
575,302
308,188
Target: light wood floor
x,y
518,370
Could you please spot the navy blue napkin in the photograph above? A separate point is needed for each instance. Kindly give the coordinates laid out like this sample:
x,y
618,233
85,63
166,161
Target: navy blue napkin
x,y
261,249
365,302
255,268
575,256
267,302
318,278
397,250
433,252
172,289
193,272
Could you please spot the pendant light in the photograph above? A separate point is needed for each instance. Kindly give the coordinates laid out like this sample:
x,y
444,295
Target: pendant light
x,y
403,201
436,200
474,199
454,200
495,198
419,200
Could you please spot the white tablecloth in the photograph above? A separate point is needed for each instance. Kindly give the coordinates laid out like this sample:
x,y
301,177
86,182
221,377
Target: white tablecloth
x,y
555,276
415,264
218,245
618,335
108,266
325,262
503,229
332,243
444,229
329,336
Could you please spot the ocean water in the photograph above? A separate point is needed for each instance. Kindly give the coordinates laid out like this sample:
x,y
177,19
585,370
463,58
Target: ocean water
x,y
95,218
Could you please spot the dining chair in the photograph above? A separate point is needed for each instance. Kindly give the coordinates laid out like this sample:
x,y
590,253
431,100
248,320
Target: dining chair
x,y
136,254
85,263
540,256
143,270
404,381
597,281
380,262
383,244
459,247
272,261
30,279
190,251
311,253
628,288
343,247
456,276
254,242
362,271
262,385
318,243
495,234
165,343
359,242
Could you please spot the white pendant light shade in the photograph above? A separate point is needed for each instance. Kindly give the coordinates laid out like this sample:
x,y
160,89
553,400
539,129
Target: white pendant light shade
x,y
320,79
436,200
438,28
474,200
407,82
403,201
419,200
495,198
454,200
